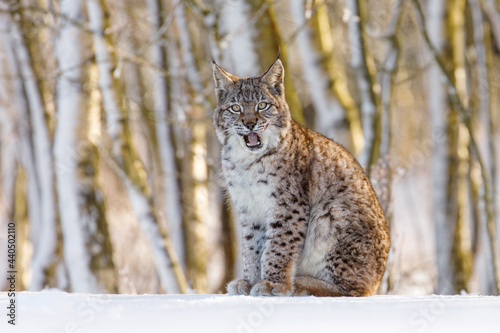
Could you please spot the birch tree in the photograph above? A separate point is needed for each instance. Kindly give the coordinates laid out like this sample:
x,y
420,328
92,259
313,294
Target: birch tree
x,y
438,112
164,135
44,228
465,118
17,145
87,250
334,66
268,41
328,112
8,147
485,134
128,166
370,106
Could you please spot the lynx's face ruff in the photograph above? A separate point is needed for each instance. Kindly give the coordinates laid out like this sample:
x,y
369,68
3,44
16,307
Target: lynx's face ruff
x,y
251,112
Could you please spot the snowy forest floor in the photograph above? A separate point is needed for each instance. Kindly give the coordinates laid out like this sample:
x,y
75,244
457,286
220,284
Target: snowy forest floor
x,y
57,312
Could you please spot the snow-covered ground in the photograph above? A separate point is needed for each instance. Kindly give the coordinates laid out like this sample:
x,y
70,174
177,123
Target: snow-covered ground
x,y
57,312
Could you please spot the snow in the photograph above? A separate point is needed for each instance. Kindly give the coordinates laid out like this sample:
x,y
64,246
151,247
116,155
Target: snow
x,y
56,311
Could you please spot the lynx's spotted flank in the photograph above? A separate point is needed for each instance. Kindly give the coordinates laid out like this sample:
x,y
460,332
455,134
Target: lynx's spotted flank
x,y
311,222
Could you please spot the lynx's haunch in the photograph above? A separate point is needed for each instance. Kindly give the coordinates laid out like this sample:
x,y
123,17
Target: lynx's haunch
x,y
311,222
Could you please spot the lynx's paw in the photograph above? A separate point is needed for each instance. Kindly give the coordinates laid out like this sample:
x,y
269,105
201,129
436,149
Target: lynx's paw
x,y
267,288
238,287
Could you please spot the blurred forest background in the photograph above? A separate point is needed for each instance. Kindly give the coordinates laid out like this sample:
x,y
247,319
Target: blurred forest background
x,y
109,164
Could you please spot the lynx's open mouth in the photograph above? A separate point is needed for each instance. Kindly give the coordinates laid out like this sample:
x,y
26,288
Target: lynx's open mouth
x,y
252,140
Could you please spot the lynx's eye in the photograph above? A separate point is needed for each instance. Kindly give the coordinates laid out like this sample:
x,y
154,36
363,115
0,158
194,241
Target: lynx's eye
x,y
235,108
263,106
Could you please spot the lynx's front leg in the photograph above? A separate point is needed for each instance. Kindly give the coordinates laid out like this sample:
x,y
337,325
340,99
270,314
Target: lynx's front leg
x,y
285,239
252,244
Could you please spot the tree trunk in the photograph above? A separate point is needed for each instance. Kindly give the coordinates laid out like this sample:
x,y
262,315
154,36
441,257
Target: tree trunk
x,y
268,42
438,110
88,251
370,107
172,202
123,155
458,196
332,64
329,116
44,228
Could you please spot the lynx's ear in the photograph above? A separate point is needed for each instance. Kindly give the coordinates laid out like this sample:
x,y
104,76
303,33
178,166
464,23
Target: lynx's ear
x,y
275,74
223,80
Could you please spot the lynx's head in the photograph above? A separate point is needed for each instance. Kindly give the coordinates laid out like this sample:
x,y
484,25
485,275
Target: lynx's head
x,y
251,112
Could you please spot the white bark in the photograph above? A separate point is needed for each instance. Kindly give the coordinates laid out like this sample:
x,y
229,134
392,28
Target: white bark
x,y
15,138
358,63
10,86
438,108
149,226
328,111
139,200
70,107
105,66
45,243
485,133
7,146
237,45
491,11
484,137
386,76
172,204
187,55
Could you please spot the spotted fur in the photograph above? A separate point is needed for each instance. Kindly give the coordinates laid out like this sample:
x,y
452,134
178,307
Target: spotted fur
x,y
311,222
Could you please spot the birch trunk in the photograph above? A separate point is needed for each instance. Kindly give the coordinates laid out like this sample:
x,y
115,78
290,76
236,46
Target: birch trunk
x,y
485,135
16,145
71,106
196,204
236,43
172,203
267,40
460,141
230,232
8,146
465,116
490,9
381,175
370,109
327,110
45,241
438,109
208,151
333,65
88,253
129,167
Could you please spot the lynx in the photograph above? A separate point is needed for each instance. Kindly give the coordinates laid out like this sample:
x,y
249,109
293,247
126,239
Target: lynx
x,y
311,222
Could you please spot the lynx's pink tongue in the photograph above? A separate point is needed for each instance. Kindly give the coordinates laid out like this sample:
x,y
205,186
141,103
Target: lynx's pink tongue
x,y
253,139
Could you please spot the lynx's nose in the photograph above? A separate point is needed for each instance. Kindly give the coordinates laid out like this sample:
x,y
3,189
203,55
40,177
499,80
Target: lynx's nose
x,y
250,125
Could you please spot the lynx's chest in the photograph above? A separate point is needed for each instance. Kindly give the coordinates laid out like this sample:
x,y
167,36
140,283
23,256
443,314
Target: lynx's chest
x,y
250,185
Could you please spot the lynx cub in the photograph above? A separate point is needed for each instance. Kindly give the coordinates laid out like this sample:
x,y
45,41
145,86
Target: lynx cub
x,y
311,222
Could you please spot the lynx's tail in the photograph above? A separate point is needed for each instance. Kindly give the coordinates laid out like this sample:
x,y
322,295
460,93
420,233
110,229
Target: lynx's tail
x,y
309,286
